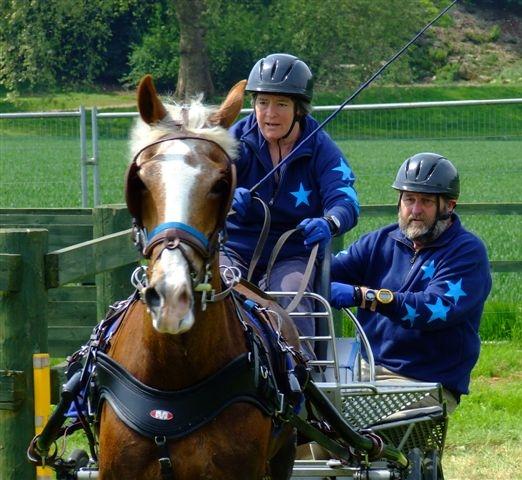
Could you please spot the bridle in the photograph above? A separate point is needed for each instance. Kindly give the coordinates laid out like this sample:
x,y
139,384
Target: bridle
x,y
178,235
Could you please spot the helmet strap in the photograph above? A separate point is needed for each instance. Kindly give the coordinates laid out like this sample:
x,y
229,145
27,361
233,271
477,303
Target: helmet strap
x,y
294,121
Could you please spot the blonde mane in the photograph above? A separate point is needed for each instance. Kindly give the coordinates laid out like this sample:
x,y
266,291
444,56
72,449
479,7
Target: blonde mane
x,y
196,115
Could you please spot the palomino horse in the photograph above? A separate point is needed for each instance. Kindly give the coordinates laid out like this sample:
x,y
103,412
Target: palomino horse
x,y
179,189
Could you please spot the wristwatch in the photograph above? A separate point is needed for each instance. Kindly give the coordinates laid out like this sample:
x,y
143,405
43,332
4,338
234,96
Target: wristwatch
x,y
334,223
372,297
384,296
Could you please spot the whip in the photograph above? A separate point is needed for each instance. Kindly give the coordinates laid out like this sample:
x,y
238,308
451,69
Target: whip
x,y
352,96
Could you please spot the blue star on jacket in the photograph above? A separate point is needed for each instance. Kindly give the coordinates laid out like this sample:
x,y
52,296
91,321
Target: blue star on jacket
x,y
455,290
350,193
301,195
411,315
344,169
438,310
429,270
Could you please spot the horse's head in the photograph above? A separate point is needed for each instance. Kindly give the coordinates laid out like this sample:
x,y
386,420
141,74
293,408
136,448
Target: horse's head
x,y
179,188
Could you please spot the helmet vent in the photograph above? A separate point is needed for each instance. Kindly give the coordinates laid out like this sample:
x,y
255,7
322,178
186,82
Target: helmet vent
x,y
274,70
288,70
432,169
417,170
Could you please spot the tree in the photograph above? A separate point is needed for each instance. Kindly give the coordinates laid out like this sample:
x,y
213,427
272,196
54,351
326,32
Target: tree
x,y
194,73
47,44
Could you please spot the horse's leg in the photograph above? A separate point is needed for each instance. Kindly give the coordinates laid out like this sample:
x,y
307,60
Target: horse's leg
x,y
282,462
123,453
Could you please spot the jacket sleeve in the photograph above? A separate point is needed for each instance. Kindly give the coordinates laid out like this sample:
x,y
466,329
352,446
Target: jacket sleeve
x,y
336,182
348,266
455,293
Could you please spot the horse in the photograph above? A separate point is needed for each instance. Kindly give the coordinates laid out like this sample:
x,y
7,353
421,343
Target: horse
x,y
179,187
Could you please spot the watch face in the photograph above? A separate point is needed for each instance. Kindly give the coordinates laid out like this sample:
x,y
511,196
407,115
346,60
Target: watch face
x,y
384,295
336,221
369,296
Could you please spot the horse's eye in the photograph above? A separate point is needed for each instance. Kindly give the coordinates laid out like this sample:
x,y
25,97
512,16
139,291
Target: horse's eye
x,y
220,187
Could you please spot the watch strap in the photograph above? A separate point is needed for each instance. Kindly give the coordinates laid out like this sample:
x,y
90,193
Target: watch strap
x,y
334,229
357,295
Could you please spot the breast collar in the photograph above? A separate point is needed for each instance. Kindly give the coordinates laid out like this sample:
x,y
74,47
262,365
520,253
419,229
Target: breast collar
x,y
248,378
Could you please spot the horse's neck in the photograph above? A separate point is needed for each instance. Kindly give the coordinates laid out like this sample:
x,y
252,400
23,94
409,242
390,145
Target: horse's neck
x,y
172,362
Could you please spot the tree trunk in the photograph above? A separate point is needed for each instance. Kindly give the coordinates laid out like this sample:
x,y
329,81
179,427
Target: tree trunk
x,y
194,74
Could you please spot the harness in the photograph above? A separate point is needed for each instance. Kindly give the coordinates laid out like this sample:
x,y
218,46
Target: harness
x,y
254,377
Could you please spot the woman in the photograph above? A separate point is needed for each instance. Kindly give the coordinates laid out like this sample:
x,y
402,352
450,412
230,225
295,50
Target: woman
x,y
313,190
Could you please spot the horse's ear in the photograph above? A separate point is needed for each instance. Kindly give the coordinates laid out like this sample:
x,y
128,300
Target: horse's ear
x,y
231,106
150,106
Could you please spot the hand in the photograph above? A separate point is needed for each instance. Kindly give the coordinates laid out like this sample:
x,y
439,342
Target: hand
x,y
315,230
342,295
241,202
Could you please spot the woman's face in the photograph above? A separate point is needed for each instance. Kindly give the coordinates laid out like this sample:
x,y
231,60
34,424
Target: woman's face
x,y
274,114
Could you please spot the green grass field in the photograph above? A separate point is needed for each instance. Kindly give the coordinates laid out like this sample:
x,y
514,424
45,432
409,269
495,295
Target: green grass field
x,y
44,171
484,439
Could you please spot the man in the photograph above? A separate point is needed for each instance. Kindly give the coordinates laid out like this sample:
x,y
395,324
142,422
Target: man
x,y
420,285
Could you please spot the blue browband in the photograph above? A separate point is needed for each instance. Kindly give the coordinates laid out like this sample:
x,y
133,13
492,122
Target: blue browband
x,y
180,226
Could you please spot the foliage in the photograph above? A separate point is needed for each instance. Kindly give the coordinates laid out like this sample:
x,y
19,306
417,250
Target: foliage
x,y
59,43
157,52
514,5
62,43
239,33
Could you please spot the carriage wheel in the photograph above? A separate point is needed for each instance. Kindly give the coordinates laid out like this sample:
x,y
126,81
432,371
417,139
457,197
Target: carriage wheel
x,y
78,459
415,469
432,468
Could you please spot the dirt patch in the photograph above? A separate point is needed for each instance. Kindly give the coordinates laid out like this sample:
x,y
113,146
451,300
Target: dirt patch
x,y
484,45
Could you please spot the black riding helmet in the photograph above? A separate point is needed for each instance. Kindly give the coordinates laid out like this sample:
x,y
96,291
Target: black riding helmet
x,y
428,173
281,73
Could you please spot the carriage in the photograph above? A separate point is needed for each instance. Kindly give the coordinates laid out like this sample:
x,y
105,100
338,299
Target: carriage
x,y
198,374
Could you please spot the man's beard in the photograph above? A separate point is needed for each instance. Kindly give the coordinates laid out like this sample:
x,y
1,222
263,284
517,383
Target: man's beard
x,y
422,233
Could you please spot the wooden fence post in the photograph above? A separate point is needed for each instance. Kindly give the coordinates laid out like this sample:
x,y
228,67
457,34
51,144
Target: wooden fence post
x,y
23,331
114,285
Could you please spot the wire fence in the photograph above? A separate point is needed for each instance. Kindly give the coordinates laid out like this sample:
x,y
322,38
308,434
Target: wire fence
x,y
68,159
71,159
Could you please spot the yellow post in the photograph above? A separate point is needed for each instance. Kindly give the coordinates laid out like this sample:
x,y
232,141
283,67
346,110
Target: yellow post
x,y
42,402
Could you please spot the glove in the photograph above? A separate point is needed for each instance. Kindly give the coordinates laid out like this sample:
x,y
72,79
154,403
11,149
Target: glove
x,y
342,295
315,230
241,202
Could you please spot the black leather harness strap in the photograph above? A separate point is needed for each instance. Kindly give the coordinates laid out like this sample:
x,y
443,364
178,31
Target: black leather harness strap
x,y
175,414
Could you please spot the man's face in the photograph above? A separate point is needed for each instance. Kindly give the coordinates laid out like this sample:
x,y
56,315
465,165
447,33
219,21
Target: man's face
x,y
418,211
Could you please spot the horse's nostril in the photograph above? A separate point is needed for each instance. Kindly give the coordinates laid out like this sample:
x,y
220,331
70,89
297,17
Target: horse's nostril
x,y
184,299
152,298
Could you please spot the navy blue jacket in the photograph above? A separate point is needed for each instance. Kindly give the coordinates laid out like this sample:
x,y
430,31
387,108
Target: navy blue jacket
x,y
317,180
430,331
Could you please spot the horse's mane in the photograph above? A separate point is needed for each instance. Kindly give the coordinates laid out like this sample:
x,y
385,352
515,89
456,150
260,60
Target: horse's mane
x,y
196,116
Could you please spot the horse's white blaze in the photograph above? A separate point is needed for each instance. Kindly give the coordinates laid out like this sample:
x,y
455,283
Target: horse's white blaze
x,y
178,179
171,280
171,277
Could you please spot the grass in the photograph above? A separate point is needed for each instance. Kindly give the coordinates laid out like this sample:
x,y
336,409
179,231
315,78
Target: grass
x,y
44,171
485,433
484,439
377,93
